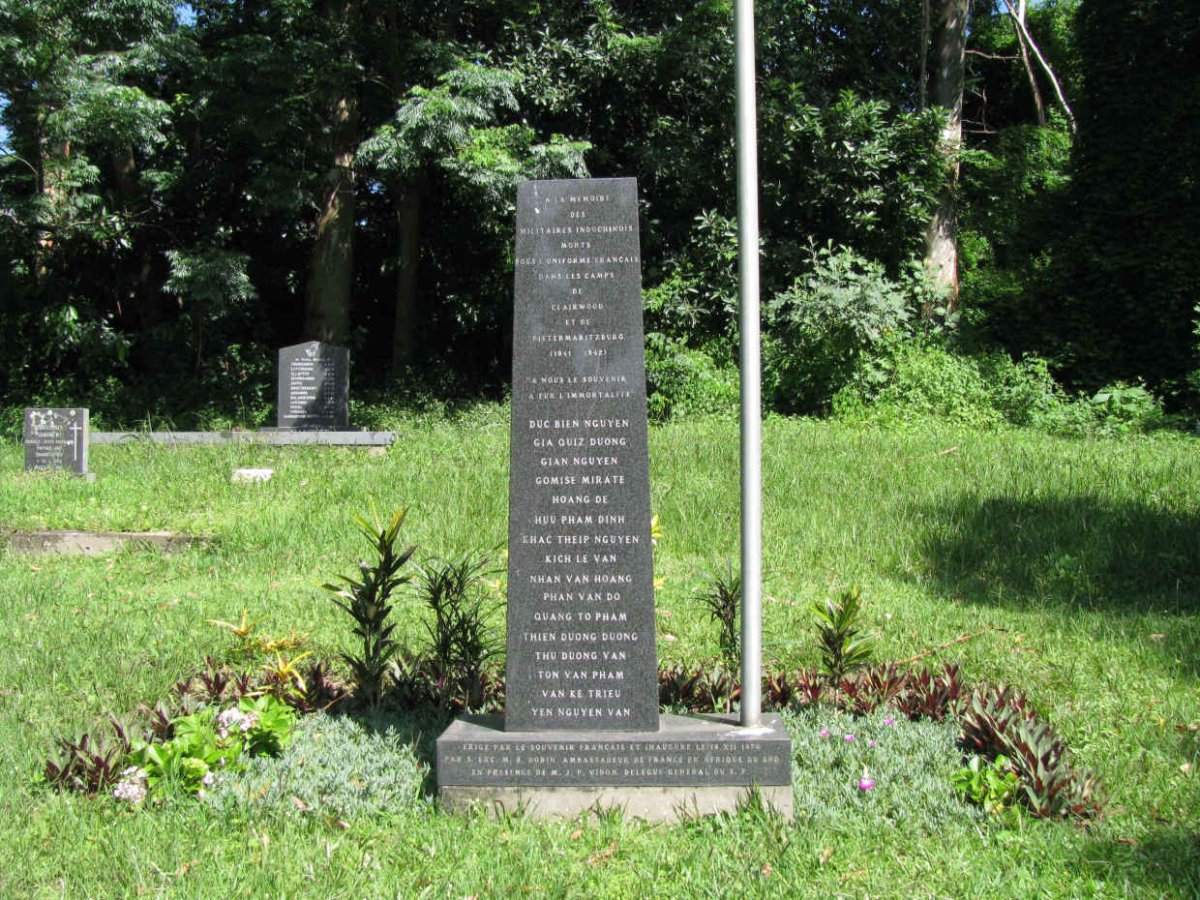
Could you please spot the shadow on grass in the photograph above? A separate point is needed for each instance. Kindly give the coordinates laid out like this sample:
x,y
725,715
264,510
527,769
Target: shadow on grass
x,y
1127,559
1167,862
1074,551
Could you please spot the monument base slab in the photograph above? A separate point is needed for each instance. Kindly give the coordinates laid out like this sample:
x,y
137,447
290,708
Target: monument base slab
x,y
693,765
650,804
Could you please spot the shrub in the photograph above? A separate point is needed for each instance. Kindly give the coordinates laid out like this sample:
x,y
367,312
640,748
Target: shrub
x,y
894,771
722,599
841,642
830,323
208,741
916,381
698,298
709,688
922,379
1121,408
992,786
335,766
367,601
681,380
90,765
998,721
460,642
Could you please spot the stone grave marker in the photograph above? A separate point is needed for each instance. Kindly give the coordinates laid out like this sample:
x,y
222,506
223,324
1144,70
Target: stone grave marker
x,y
581,726
56,438
314,386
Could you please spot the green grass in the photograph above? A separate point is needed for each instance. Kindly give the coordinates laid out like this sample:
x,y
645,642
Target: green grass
x,y
1081,556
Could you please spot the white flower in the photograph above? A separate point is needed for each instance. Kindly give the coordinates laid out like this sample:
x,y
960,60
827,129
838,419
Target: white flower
x,y
132,786
230,717
235,718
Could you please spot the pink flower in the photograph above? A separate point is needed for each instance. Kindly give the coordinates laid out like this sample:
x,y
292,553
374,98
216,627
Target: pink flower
x,y
866,783
849,739
824,732
871,742
889,721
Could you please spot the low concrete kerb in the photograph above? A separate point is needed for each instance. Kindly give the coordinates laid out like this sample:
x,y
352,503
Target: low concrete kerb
x,y
96,543
272,437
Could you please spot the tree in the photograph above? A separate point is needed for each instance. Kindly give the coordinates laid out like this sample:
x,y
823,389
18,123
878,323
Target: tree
x,y
78,100
456,128
949,44
1131,276
328,293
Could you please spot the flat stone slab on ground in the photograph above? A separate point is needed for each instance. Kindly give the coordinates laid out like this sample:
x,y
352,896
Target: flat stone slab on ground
x,y
272,437
691,766
94,543
249,476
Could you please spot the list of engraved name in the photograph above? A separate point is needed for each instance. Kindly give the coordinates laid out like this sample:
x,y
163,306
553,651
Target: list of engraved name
x,y
577,404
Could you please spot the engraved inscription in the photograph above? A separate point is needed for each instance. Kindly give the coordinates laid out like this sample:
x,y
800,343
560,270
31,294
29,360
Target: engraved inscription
x,y
56,438
314,386
603,761
581,625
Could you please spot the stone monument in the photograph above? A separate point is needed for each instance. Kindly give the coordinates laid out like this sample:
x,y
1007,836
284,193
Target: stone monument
x,y
581,727
57,438
314,386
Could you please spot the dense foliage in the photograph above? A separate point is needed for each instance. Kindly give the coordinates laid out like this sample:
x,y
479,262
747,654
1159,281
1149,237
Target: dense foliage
x,y
185,188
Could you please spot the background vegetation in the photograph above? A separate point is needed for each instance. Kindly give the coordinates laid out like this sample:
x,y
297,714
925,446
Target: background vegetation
x,y
186,187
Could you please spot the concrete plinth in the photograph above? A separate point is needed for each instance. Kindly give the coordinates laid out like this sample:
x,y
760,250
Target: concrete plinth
x,y
651,804
690,766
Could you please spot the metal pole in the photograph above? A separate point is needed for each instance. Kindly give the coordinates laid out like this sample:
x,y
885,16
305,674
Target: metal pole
x,y
747,162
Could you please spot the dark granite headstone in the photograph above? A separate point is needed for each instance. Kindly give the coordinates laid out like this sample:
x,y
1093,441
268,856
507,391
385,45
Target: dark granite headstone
x,y
314,386
580,579
56,438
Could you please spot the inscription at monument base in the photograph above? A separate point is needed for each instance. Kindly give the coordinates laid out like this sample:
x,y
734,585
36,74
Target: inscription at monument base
x,y
689,765
581,726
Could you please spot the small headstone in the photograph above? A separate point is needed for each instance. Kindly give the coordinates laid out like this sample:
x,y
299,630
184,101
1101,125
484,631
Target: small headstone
x,y
56,438
247,476
314,386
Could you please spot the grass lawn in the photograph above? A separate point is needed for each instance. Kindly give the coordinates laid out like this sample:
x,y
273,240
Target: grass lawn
x,y
1079,560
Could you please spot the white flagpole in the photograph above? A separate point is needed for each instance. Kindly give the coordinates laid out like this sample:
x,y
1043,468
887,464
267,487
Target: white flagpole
x,y
747,163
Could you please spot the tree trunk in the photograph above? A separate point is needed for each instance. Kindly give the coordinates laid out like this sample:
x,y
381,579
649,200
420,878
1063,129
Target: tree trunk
x,y
404,344
331,266
923,94
55,157
949,50
1018,16
327,296
1027,43
139,305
